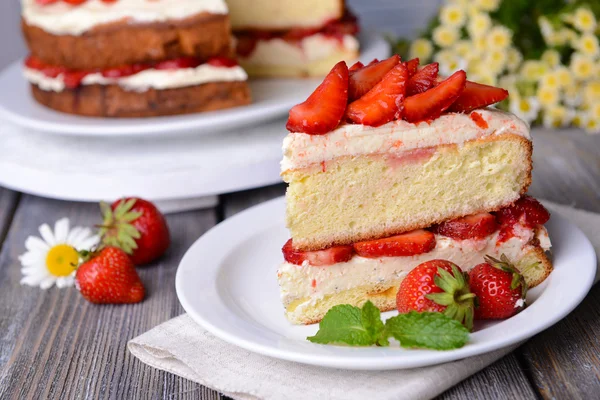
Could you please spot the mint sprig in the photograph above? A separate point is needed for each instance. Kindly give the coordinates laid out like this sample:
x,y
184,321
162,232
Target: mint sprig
x,y
346,324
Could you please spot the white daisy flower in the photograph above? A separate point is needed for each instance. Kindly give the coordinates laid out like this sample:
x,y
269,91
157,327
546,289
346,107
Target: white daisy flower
x,y
53,258
453,15
584,20
526,108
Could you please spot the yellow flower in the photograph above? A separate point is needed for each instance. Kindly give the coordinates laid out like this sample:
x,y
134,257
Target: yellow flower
x,y
564,76
547,96
557,117
487,5
584,20
550,80
591,92
551,57
532,70
592,125
499,37
587,44
453,15
495,61
581,66
445,36
578,119
479,24
513,59
526,108
421,48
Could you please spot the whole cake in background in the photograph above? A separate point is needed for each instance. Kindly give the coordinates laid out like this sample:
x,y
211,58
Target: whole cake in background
x,y
132,58
293,38
388,166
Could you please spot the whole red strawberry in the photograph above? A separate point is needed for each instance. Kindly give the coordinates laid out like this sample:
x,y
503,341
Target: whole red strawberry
x,y
437,286
109,277
136,226
499,287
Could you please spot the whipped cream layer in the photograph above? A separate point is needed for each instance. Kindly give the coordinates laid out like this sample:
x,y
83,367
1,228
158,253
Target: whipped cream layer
x,y
61,18
301,150
144,80
315,47
310,282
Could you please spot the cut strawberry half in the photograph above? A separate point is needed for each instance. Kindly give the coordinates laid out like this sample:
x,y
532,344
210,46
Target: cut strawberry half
x,y
366,78
477,226
177,63
73,79
383,103
319,258
355,67
477,95
407,244
222,62
423,80
411,66
325,107
527,211
430,104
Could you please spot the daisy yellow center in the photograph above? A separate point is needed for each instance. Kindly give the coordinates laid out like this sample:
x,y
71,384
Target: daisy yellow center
x,y
62,260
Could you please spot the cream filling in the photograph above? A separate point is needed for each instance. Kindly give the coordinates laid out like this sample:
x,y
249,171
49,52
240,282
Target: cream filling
x,y
60,18
144,80
306,281
301,150
312,48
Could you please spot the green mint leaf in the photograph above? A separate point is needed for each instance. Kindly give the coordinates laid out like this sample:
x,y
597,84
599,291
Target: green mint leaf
x,y
371,319
429,330
344,324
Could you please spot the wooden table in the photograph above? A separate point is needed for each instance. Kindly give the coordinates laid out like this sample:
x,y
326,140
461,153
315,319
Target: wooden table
x,y
54,344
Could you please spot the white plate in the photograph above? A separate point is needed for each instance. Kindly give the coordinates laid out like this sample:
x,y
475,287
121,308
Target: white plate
x,y
226,282
271,98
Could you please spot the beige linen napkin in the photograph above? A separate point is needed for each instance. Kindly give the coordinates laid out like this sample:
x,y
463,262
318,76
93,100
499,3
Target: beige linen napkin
x,y
183,348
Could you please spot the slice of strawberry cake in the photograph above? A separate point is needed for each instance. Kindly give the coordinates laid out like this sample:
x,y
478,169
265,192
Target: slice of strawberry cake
x,y
388,167
132,58
293,38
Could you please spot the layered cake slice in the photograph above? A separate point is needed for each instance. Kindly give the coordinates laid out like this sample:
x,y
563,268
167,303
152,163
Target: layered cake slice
x,y
388,168
127,58
291,38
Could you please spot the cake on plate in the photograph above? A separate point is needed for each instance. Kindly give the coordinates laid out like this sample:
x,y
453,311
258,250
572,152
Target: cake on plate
x,y
389,165
293,38
132,58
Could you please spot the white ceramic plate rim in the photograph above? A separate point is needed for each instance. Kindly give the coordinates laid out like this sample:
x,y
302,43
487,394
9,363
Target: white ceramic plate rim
x,y
215,317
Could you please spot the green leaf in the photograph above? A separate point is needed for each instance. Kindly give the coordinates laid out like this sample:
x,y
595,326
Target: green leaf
x,y
427,330
371,320
344,324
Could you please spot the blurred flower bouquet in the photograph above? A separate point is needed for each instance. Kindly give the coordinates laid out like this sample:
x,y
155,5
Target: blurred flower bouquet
x,y
546,53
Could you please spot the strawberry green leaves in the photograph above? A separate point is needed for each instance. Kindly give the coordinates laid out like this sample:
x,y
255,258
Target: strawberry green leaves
x,y
346,324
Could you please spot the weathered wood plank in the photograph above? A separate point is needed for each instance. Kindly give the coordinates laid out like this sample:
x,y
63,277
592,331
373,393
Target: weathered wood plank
x,y
8,204
54,344
564,361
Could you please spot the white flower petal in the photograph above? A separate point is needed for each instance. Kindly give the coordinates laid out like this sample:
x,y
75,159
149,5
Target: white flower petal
x,y
65,281
88,243
61,230
33,243
47,234
73,233
47,282
83,234
31,258
32,280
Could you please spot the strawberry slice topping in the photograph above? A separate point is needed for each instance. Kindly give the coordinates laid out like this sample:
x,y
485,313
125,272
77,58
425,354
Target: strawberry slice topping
x,y
330,256
423,80
430,104
118,72
74,2
356,66
325,107
73,79
383,103
176,63
406,244
412,66
477,95
222,62
477,226
364,79
526,211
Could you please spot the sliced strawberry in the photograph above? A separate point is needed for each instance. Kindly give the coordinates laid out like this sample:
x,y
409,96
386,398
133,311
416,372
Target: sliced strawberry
x,y
177,63
355,67
423,80
477,95
363,80
74,2
330,256
477,226
222,62
383,103
430,104
246,45
406,244
118,72
73,79
412,66
526,211
44,2
34,63
324,108
374,61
